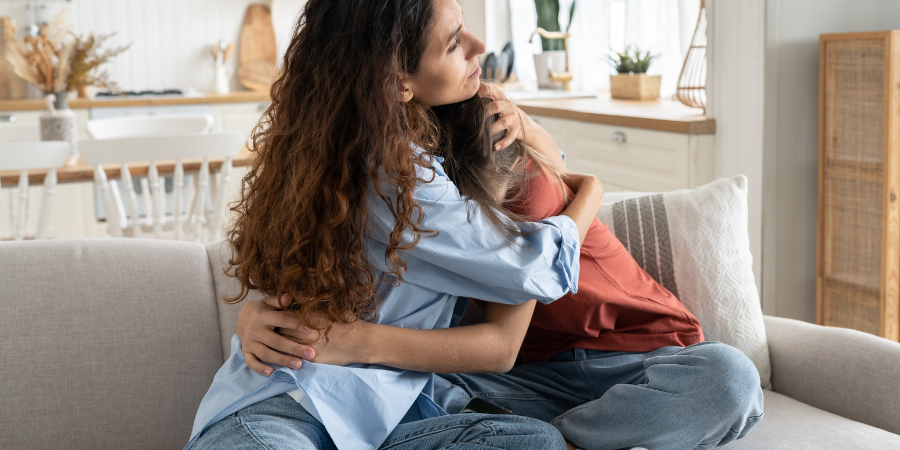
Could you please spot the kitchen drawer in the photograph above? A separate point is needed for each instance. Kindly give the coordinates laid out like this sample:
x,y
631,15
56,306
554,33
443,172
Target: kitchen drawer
x,y
633,159
630,158
126,111
20,116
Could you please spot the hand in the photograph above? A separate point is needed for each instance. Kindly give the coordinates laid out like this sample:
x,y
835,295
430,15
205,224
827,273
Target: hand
x,y
343,346
256,327
512,119
584,182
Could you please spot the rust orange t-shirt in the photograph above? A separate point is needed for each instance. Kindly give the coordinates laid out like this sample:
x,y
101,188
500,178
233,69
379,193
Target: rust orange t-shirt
x,y
618,306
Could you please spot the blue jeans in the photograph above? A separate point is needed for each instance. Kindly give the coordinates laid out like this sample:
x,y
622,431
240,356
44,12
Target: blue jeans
x,y
672,398
281,423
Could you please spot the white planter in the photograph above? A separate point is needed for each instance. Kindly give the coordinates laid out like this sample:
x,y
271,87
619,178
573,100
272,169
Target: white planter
x,y
545,62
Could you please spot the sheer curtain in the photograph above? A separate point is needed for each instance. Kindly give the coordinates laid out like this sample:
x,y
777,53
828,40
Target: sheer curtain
x,y
664,27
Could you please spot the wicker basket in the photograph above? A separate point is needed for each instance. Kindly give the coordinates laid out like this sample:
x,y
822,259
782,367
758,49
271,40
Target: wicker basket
x,y
634,86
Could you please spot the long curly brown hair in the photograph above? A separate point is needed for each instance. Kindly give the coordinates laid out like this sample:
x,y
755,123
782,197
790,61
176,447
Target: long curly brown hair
x,y
333,131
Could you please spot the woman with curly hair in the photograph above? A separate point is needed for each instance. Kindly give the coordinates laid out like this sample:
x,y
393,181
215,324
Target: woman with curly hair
x,y
618,364
346,209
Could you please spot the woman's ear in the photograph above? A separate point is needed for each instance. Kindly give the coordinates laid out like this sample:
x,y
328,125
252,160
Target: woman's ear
x,y
404,89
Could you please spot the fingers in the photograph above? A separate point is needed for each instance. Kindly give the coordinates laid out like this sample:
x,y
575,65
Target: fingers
x,y
256,366
507,140
487,91
502,107
286,300
273,302
277,319
511,125
491,91
264,353
302,334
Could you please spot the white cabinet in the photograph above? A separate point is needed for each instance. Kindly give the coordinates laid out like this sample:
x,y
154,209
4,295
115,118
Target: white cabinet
x,y
73,213
20,116
633,159
241,117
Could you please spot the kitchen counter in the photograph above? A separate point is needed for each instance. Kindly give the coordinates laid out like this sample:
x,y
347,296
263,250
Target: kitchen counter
x,y
80,103
660,115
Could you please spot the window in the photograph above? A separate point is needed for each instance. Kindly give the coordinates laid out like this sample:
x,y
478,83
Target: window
x,y
664,27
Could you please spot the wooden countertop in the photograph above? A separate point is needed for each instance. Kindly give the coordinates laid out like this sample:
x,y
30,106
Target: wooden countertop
x,y
81,103
660,115
83,171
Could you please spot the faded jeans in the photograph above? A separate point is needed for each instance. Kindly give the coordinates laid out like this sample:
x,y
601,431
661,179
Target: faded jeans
x,y
672,398
281,423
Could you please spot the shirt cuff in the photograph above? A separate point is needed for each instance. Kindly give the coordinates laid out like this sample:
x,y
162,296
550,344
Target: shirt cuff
x,y
568,261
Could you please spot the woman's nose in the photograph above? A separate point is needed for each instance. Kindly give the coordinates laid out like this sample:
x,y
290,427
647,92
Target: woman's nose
x,y
476,48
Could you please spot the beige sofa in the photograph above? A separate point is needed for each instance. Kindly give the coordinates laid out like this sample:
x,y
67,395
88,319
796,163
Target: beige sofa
x,y
111,344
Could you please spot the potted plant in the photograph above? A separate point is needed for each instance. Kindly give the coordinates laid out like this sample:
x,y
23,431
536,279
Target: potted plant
x,y
553,57
88,56
631,81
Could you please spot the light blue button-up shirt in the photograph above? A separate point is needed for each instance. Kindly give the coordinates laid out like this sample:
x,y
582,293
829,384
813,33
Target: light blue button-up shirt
x,y
361,404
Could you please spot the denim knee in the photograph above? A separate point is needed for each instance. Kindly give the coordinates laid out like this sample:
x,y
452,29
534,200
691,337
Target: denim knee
x,y
275,423
540,434
731,379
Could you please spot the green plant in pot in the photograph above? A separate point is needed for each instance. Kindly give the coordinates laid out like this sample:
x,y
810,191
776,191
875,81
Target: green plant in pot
x,y
554,58
631,81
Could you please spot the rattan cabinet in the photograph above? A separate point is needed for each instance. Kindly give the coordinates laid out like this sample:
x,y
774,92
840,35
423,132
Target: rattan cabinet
x,y
858,268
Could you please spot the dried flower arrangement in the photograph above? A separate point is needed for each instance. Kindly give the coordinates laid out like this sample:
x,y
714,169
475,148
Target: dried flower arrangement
x,y
41,60
87,57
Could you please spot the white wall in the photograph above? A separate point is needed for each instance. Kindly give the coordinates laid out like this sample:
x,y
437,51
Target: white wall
x,y
791,140
735,77
170,38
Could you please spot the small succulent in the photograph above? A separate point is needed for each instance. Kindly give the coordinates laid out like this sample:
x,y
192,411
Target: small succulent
x,y
632,61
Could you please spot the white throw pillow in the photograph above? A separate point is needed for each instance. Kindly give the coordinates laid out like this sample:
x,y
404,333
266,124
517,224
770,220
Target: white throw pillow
x,y
696,244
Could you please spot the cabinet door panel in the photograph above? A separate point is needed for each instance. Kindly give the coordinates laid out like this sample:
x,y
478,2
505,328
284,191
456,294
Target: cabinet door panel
x,y
241,117
557,128
633,159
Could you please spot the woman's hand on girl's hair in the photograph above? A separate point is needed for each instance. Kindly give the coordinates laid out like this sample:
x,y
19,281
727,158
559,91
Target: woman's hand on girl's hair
x,y
511,118
341,347
256,327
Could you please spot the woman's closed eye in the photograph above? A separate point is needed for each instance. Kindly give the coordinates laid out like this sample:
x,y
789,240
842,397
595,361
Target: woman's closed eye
x,y
455,46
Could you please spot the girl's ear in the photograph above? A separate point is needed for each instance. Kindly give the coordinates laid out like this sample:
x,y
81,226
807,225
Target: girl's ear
x,y
404,91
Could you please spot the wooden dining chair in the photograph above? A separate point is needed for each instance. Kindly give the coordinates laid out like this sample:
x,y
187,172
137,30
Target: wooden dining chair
x,y
185,223
22,157
20,132
134,126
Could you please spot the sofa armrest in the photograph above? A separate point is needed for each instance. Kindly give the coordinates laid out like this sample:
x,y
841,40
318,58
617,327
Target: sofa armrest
x,y
846,372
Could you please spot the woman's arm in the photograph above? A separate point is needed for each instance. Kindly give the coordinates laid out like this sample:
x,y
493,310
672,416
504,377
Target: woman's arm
x,y
490,347
271,335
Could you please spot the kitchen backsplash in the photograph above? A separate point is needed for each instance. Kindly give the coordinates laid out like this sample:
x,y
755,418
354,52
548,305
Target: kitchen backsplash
x,y
169,39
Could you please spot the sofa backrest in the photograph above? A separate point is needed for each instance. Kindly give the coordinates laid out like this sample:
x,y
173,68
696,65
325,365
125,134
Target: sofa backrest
x,y
106,344
219,253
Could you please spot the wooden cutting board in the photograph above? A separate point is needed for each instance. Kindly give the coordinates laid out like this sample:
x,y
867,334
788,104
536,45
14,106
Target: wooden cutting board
x,y
258,51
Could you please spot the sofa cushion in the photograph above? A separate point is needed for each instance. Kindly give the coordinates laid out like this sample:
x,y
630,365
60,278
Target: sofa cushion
x,y
106,344
695,243
791,425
